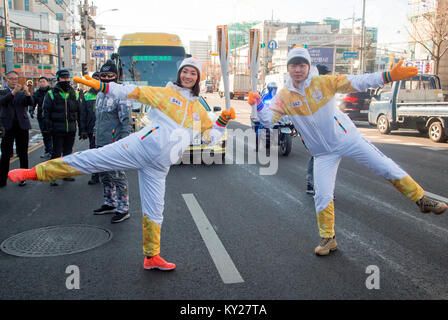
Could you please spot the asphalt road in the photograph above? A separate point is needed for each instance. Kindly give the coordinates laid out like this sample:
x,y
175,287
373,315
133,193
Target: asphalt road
x,y
238,235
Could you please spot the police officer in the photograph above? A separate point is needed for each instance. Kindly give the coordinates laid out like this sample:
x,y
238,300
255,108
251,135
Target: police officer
x,y
61,112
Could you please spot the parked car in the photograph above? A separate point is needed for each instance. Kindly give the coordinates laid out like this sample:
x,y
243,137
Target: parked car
x,y
198,146
355,104
415,103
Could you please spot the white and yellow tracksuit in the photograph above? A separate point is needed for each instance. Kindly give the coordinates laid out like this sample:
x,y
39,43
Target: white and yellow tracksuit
x,y
329,135
177,118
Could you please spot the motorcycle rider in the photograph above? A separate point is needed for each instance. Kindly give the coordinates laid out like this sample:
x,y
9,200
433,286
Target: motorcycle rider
x,y
266,100
330,135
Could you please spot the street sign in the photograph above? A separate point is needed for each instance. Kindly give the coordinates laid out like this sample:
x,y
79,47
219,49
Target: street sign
x,y
103,48
73,48
272,45
322,56
97,54
350,55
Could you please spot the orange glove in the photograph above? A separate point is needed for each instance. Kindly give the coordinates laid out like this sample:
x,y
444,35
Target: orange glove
x,y
95,84
399,73
225,116
254,98
228,114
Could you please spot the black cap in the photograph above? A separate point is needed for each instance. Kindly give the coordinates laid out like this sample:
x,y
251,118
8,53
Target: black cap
x,y
323,69
63,74
109,66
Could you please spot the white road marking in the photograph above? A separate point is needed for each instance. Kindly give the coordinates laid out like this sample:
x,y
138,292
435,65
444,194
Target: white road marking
x,y
226,268
435,148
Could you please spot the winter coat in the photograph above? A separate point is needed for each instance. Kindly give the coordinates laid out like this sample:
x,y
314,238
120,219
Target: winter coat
x,y
112,119
61,110
311,107
38,97
14,107
88,112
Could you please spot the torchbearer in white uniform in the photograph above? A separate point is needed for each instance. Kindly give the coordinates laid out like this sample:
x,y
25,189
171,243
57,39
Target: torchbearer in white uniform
x,y
330,135
177,118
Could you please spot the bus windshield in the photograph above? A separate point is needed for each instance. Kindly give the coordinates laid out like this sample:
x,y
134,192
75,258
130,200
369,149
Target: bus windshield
x,y
150,65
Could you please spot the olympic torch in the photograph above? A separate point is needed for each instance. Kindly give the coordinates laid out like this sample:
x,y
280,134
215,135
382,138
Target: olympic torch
x,y
254,61
223,51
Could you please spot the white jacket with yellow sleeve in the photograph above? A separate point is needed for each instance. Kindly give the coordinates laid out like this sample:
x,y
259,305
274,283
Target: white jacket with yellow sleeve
x,y
177,118
311,107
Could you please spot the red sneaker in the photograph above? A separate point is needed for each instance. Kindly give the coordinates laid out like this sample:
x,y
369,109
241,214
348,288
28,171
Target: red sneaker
x,y
19,175
157,262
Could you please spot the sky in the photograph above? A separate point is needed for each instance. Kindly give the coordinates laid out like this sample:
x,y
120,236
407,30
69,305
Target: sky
x,y
197,19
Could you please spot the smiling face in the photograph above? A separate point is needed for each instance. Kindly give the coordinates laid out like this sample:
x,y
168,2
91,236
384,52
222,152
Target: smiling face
x,y
188,77
298,72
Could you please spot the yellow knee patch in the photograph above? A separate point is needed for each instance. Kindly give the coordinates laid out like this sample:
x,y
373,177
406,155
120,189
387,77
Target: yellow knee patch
x,y
409,188
325,221
151,237
55,169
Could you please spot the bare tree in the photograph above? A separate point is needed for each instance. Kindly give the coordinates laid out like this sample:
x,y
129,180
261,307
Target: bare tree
x,y
430,30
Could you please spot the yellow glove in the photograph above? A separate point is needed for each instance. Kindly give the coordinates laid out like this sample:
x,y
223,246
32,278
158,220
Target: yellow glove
x,y
254,98
225,116
89,81
399,73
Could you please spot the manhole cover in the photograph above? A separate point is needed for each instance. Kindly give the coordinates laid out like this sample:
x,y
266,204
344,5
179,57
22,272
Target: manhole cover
x,y
56,241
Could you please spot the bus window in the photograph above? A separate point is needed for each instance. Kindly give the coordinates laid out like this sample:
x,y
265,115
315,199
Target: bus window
x,y
150,64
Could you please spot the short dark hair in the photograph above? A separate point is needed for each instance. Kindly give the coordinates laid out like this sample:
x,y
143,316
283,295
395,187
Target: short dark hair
x,y
196,89
298,60
9,72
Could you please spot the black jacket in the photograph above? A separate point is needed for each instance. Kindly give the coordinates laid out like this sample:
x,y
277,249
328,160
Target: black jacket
x,y
15,107
38,97
61,110
88,111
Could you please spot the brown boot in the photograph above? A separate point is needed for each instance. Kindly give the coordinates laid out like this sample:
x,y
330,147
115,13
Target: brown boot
x,y
325,246
427,205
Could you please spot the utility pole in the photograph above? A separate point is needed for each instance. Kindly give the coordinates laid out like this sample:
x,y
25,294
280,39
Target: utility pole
x,y
86,30
9,46
363,37
59,52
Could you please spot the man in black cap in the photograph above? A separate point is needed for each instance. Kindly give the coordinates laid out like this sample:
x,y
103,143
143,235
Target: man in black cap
x,y
38,97
61,112
112,124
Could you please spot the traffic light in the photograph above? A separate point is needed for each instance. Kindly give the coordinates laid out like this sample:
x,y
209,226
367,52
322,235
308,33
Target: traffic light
x,y
84,68
262,45
300,46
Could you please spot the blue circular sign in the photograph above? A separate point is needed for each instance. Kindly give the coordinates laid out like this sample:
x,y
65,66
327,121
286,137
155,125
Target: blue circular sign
x,y
272,45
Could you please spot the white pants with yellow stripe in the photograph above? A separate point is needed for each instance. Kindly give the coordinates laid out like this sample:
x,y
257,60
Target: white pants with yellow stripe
x,y
365,153
132,152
